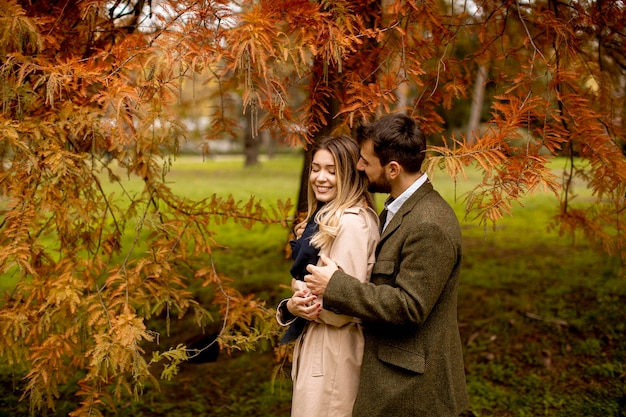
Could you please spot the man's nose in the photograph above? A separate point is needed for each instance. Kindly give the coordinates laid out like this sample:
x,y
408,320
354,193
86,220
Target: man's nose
x,y
359,165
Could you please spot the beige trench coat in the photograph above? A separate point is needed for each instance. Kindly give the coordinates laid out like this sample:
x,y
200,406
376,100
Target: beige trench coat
x,y
327,356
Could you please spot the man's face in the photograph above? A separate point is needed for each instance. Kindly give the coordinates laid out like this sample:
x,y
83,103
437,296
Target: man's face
x,y
374,171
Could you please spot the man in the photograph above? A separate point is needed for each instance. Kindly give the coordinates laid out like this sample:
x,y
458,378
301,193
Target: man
x,y
413,360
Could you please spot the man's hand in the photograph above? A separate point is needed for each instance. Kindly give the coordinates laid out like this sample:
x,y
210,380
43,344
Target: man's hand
x,y
320,275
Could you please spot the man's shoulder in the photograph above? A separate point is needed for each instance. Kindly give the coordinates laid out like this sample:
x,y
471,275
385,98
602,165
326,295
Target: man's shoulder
x,y
430,197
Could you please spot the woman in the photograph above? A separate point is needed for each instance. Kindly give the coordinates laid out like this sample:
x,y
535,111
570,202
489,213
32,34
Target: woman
x,y
328,353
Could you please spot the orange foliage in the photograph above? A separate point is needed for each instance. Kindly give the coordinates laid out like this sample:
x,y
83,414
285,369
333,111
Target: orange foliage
x,y
84,83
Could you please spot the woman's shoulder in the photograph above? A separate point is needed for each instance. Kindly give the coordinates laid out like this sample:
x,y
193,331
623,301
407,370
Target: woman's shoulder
x,y
359,215
361,208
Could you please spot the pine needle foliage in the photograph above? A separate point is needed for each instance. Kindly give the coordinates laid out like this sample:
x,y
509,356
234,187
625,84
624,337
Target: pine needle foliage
x,y
87,84
87,90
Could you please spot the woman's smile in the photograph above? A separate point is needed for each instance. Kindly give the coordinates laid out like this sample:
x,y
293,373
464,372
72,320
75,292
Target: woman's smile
x,y
323,177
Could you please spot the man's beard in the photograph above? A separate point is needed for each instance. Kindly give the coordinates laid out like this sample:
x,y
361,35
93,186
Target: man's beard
x,y
379,185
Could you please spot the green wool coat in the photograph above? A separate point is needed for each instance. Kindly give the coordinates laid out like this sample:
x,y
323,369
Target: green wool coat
x,y
413,360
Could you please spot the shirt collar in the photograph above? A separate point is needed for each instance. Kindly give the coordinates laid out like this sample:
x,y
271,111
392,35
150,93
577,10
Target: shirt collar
x,y
393,205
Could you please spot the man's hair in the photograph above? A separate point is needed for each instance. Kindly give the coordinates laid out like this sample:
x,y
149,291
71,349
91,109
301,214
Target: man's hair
x,y
396,137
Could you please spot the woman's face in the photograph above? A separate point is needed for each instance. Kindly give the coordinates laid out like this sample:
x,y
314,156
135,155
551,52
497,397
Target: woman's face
x,y
323,176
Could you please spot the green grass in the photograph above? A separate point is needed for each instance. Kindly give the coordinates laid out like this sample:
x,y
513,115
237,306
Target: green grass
x,y
270,180
254,258
540,314
542,317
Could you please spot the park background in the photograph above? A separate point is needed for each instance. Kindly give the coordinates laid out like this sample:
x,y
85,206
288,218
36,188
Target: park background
x,y
153,154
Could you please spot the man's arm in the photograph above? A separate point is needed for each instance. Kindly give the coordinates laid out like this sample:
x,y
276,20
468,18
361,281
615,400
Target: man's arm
x,y
428,258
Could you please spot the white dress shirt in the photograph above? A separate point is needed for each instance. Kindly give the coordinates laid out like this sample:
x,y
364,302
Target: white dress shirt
x,y
393,205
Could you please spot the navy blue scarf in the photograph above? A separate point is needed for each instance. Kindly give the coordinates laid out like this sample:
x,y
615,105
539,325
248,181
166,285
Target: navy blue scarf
x,y
303,254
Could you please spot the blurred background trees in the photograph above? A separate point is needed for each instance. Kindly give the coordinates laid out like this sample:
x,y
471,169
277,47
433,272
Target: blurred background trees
x,y
499,84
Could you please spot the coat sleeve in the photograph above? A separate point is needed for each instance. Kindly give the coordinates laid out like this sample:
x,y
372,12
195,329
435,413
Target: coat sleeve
x,y
351,251
415,281
283,316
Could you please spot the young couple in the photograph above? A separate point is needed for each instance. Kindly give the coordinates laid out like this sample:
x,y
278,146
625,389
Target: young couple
x,y
374,307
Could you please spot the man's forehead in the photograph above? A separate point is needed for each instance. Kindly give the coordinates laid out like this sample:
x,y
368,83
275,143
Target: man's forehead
x,y
367,149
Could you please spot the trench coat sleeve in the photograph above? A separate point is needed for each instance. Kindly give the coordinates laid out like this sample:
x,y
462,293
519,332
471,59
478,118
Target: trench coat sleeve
x,y
353,251
283,316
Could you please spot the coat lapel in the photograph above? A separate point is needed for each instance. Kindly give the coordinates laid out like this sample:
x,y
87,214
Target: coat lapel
x,y
404,209
381,219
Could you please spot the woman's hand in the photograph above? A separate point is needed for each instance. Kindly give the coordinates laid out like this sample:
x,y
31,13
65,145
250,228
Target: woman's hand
x,y
303,304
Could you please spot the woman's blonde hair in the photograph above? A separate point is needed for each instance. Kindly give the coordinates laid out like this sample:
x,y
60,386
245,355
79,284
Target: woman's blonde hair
x,y
351,188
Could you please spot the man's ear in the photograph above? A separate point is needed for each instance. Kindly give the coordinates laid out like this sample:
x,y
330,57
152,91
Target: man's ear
x,y
393,169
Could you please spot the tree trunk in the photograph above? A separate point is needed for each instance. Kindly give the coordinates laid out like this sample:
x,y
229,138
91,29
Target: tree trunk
x,y
477,104
250,141
267,140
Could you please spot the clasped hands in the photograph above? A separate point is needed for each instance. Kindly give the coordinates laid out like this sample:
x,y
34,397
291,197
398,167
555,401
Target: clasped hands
x,y
303,302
